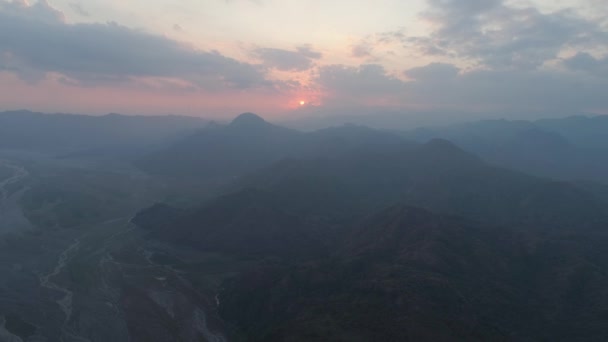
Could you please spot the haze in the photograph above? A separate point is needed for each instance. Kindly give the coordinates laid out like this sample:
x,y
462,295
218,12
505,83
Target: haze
x,y
303,170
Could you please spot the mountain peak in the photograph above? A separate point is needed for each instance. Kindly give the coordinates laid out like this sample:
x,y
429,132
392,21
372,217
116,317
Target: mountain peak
x,y
248,119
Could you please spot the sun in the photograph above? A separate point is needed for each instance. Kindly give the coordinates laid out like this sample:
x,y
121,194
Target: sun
x,y
302,102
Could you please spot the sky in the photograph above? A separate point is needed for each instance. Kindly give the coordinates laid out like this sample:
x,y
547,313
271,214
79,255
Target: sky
x,y
305,58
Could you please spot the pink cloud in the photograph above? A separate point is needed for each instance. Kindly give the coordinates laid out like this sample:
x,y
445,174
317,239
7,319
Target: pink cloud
x,y
50,95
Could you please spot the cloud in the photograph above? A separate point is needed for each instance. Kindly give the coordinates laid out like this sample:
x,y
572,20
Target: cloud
x,y
585,62
78,9
361,50
36,39
507,90
300,59
389,37
374,46
308,51
433,72
477,54
40,11
442,86
367,79
257,2
498,35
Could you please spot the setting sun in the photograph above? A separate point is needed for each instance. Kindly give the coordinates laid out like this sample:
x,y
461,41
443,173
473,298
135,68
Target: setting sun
x,y
302,103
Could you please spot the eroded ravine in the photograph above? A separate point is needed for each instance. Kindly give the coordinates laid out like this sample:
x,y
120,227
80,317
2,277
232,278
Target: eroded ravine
x,y
12,219
46,281
19,173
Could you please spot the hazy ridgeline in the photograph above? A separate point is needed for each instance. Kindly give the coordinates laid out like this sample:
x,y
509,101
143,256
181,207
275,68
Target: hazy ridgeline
x,y
174,228
432,170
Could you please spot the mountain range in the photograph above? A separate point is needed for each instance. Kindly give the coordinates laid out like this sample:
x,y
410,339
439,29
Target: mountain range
x,y
405,274
69,133
357,235
248,143
486,231
573,148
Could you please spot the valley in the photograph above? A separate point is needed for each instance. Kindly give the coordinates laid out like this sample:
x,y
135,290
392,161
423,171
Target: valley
x,y
89,281
254,232
11,215
303,171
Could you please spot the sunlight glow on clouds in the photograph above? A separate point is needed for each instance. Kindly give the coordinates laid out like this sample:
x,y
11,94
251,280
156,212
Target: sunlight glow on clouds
x,y
219,57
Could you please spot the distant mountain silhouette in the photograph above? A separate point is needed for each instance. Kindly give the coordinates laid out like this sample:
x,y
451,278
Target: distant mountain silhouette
x,y
296,207
587,132
565,149
249,143
381,239
437,175
570,149
81,133
250,121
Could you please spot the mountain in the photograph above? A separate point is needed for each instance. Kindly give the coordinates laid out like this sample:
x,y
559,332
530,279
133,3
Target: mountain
x,y
589,132
567,149
564,149
436,175
252,123
298,208
334,141
249,143
76,133
395,241
249,223
410,275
